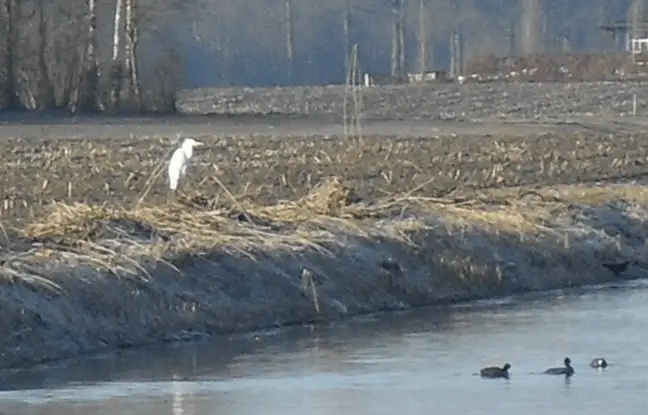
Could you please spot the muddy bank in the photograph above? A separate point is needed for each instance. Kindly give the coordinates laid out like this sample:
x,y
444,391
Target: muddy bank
x,y
85,278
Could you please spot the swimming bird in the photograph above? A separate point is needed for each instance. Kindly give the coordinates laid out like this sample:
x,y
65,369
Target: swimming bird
x,y
567,370
599,363
494,372
179,160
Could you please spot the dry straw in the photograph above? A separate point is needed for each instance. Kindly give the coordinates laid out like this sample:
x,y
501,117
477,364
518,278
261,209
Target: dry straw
x,y
116,238
330,207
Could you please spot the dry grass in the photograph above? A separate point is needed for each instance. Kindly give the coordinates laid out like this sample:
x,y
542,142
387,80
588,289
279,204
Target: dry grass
x,y
117,239
105,203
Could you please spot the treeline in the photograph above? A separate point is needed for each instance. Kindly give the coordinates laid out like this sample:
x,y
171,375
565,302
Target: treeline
x,y
261,42
83,55
111,55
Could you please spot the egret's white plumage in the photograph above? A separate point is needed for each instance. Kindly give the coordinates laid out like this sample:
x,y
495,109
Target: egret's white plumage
x,y
179,160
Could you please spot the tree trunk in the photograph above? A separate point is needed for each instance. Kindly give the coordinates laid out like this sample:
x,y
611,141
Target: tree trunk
x,y
85,94
512,40
422,38
637,17
531,26
117,64
225,59
221,48
45,93
132,38
73,78
290,40
453,57
395,54
9,89
346,23
398,40
456,54
92,99
401,41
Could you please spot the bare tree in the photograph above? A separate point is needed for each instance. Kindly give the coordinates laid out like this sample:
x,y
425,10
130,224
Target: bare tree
x,y
224,45
9,90
45,95
530,26
401,40
130,58
637,16
290,39
346,24
456,53
117,63
84,93
512,39
398,39
422,37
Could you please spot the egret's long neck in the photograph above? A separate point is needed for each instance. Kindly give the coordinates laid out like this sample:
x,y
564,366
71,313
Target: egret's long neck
x,y
188,151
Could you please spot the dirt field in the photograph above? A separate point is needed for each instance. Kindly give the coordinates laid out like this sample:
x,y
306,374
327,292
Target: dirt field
x,y
433,102
267,169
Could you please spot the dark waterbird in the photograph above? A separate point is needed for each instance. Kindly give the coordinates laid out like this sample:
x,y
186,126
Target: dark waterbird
x,y
617,268
494,372
567,370
599,363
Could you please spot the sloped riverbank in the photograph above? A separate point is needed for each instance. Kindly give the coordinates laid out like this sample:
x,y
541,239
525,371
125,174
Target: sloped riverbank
x,y
85,277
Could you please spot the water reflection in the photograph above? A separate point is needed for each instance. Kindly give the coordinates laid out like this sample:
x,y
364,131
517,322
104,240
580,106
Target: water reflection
x,y
181,399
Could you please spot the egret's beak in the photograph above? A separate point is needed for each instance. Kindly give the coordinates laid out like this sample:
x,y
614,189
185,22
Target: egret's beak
x,y
199,144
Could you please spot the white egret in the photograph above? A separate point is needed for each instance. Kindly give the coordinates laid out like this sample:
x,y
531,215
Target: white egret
x,y
179,160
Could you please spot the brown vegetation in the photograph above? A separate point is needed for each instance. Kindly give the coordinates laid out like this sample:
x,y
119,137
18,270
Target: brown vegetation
x,y
265,170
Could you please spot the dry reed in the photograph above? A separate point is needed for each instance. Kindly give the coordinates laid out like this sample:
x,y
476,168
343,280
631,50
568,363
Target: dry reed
x,y
116,238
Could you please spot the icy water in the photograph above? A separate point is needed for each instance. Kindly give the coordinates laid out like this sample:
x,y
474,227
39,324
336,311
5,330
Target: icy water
x,y
419,362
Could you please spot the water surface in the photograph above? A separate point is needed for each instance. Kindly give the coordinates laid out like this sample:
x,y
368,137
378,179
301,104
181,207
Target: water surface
x,y
406,363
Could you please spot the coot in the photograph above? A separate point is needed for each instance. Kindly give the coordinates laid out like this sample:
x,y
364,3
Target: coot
x,y
567,370
495,372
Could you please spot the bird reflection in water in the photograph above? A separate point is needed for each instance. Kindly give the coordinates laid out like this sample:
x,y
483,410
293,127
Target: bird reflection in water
x,y
181,397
